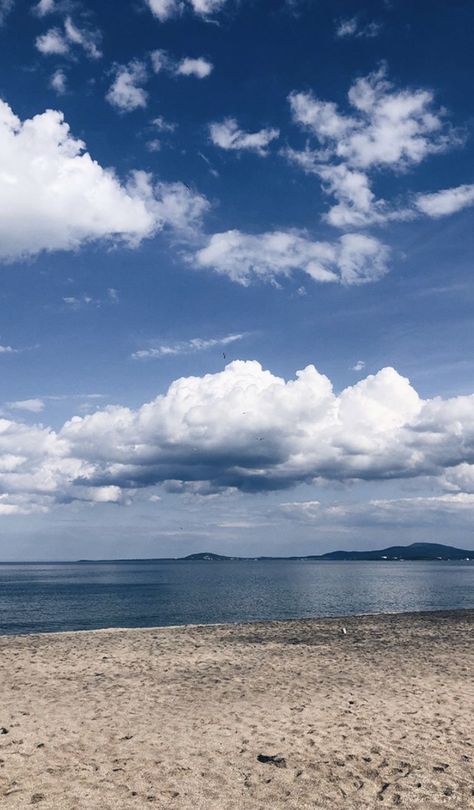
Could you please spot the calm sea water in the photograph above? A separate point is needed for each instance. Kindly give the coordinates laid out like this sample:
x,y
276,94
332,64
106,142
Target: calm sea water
x,y
77,596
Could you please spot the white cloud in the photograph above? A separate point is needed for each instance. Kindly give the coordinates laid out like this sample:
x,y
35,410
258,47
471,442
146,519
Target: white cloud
x,y
390,512
53,42
245,428
359,366
162,125
185,347
5,8
460,478
75,302
56,197
353,259
59,82
206,7
59,41
126,92
387,129
161,61
445,202
86,39
352,28
178,207
228,135
44,7
165,9
30,405
154,145
8,350
200,68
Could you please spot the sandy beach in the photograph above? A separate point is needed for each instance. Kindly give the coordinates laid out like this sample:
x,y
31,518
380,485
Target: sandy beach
x,y
273,715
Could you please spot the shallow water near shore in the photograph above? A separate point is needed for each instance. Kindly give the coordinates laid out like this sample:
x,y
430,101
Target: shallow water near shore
x,y
49,597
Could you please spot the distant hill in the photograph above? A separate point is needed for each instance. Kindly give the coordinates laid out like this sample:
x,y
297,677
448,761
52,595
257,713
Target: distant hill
x,y
415,551
209,556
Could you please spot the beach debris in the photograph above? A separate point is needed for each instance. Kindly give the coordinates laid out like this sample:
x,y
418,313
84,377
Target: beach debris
x,y
272,759
37,798
3,730
343,631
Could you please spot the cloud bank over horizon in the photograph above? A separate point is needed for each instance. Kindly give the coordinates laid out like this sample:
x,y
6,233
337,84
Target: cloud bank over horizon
x,y
242,429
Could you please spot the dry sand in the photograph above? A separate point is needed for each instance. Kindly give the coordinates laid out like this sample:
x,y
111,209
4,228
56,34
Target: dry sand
x,y
177,717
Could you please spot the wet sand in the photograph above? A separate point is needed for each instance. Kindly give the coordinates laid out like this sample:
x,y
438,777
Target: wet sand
x,y
381,716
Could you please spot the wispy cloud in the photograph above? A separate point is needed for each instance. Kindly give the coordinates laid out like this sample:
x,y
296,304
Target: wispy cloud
x,y
58,82
5,7
165,9
44,7
30,405
80,301
163,62
127,92
186,347
228,135
59,41
445,202
352,28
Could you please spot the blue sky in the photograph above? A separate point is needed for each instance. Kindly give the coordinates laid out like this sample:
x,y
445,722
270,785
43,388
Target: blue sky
x,y
199,199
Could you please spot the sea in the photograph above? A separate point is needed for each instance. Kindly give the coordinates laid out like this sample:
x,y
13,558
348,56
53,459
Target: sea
x,y
51,597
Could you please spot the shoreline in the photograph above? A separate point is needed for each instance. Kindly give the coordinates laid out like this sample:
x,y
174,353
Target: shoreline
x,y
287,715
340,617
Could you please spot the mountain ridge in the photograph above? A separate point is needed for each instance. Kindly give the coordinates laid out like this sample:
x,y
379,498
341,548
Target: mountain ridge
x,y
414,551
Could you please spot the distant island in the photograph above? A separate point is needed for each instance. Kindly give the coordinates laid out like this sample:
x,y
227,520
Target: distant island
x,y
415,551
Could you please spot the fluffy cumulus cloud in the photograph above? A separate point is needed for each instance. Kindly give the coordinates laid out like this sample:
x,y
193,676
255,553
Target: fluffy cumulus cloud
x,y
56,197
386,129
353,259
227,135
248,429
165,9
